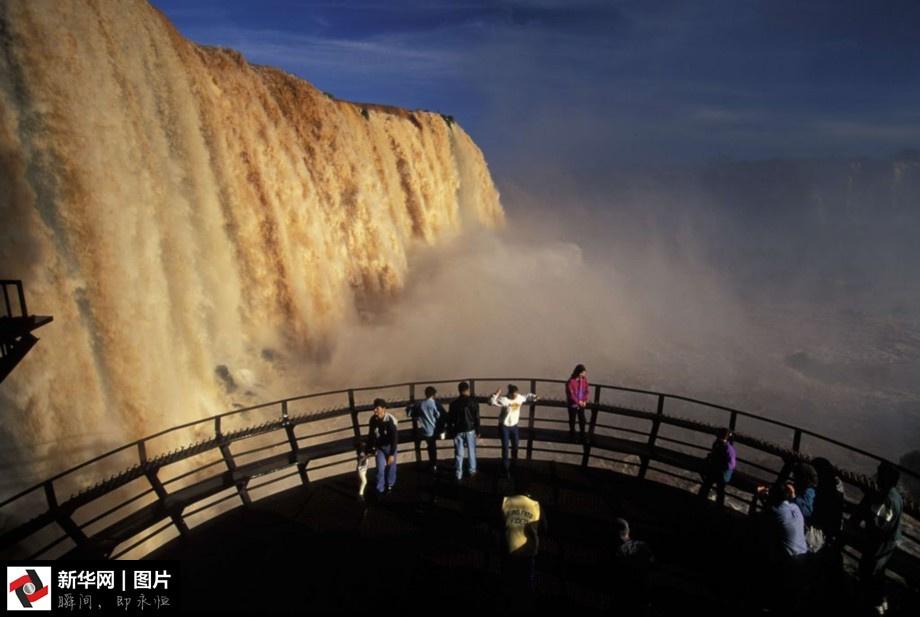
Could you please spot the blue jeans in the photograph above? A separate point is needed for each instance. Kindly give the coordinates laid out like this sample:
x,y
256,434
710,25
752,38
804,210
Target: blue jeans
x,y
510,435
468,438
382,453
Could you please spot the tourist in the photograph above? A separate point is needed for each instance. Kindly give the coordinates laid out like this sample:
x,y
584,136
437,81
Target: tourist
x,y
523,521
576,396
829,500
720,465
361,449
431,417
382,439
463,426
508,422
632,566
879,516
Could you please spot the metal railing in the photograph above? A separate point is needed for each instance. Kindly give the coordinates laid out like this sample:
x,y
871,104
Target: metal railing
x,y
154,505
7,305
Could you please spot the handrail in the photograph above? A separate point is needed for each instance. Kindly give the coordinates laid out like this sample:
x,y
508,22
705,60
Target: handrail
x,y
212,418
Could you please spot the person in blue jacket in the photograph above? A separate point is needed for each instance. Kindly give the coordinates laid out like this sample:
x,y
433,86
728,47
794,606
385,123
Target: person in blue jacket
x,y
431,417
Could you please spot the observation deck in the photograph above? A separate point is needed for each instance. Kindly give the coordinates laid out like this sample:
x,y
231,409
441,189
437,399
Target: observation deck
x,y
237,496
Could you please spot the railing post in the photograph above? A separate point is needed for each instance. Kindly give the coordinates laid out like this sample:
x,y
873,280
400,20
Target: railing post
x,y
472,383
589,438
22,299
530,420
732,421
415,435
295,447
142,452
797,440
652,436
6,297
224,448
354,413
175,515
63,519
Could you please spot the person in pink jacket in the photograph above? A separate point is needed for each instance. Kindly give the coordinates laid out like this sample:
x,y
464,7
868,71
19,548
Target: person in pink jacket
x,y
576,394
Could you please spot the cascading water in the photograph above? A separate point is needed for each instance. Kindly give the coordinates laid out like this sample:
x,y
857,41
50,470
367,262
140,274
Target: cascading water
x,y
187,218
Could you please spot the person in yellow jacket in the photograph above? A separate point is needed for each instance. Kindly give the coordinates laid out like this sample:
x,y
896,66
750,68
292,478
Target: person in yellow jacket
x,y
524,520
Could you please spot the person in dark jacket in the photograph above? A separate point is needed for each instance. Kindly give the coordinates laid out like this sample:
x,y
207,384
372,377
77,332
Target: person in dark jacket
x,y
632,566
879,516
463,426
576,396
383,439
720,465
829,499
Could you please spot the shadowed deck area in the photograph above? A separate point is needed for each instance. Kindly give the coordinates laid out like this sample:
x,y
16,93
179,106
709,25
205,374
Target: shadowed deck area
x,y
435,541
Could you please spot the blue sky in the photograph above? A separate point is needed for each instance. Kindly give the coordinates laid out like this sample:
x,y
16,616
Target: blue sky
x,y
584,83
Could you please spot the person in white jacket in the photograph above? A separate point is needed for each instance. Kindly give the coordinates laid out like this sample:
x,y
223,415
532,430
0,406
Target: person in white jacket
x,y
508,421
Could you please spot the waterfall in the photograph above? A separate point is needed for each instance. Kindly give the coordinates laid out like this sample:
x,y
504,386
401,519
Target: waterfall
x,y
193,222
